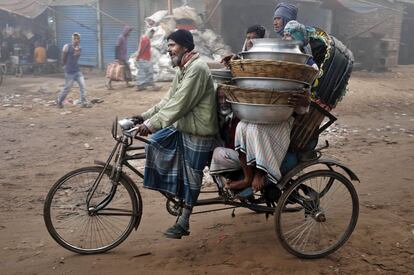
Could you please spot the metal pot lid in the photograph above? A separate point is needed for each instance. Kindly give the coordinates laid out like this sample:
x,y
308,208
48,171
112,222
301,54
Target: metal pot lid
x,y
275,45
273,52
221,74
269,79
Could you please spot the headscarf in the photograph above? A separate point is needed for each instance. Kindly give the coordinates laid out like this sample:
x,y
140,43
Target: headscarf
x,y
287,12
183,38
127,29
299,31
122,44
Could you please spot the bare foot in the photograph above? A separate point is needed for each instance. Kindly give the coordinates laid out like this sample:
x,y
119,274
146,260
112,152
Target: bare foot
x,y
258,181
238,184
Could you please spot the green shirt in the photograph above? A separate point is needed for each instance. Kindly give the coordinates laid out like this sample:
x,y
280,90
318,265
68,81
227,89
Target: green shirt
x,y
190,105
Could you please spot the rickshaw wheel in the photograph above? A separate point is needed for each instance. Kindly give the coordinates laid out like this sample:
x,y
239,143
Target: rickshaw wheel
x,y
326,213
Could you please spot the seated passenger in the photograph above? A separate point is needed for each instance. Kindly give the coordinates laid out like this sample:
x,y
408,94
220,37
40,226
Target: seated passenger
x,y
262,147
297,31
253,32
284,12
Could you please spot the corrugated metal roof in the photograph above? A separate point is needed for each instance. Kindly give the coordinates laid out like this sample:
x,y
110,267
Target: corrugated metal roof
x,y
362,6
359,6
405,1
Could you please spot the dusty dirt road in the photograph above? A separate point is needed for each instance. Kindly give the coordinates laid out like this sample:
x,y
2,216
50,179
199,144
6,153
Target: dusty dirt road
x,y
39,143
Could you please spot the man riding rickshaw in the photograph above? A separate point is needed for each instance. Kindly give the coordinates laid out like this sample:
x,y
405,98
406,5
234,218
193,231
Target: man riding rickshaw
x,y
313,201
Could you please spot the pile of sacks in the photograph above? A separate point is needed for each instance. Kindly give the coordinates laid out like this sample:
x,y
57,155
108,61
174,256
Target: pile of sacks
x,y
210,45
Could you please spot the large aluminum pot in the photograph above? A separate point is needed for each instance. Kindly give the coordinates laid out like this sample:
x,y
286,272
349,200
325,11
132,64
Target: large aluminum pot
x,y
275,45
261,113
276,49
300,58
268,83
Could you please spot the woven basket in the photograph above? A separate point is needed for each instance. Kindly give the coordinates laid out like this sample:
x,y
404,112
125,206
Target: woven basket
x,y
255,96
304,129
274,69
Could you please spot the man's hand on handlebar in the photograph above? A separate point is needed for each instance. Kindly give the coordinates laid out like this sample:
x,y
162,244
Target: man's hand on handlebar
x,y
137,119
143,130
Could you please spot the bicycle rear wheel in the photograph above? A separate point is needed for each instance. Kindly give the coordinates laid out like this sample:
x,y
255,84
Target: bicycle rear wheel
x,y
326,213
112,214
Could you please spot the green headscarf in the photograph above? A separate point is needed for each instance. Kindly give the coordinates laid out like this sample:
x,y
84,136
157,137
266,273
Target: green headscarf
x,y
299,31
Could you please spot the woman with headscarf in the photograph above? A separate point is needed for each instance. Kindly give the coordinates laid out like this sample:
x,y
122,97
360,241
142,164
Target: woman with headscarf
x,y
283,14
297,31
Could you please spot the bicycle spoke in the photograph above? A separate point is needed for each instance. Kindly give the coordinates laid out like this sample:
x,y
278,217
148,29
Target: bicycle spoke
x,y
82,230
298,236
327,218
305,240
298,228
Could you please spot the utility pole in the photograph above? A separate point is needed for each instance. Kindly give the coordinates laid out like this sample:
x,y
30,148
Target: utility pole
x,y
99,35
170,9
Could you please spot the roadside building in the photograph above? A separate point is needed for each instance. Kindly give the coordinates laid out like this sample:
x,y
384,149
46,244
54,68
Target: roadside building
x,y
378,32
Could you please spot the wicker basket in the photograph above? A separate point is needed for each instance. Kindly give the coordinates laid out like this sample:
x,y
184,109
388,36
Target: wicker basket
x,y
255,96
274,69
308,126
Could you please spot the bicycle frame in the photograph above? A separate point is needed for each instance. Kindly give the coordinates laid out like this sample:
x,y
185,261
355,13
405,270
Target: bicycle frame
x,y
124,145
121,158
292,194
119,151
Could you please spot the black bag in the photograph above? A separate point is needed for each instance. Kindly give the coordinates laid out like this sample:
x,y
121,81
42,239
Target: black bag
x,y
336,62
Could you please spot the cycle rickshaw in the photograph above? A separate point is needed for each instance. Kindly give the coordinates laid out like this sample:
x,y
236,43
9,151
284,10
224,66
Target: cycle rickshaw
x,y
94,209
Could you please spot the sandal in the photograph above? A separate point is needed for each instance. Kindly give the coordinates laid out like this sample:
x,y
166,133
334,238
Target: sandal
x,y
176,232
109,87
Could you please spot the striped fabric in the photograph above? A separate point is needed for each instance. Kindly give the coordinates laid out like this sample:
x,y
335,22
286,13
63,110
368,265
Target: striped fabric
x,y
265,145
175,162
224,160
145,76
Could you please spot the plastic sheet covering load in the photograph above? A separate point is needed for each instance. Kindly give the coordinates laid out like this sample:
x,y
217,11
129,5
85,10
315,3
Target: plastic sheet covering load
x,y
210,45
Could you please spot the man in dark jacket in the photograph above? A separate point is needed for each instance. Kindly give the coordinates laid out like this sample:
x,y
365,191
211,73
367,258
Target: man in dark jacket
x,y
121,55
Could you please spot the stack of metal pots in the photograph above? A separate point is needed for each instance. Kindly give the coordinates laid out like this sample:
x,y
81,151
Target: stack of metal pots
x,y
221,75
264,78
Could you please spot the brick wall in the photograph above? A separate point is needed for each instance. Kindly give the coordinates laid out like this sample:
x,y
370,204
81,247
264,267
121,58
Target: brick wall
x,y
348,25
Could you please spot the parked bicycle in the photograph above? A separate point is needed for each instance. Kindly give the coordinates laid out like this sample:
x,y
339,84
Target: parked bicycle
x,y
94,209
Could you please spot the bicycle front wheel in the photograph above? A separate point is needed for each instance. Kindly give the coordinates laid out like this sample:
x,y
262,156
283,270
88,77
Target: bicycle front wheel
x,y
326,212
108,220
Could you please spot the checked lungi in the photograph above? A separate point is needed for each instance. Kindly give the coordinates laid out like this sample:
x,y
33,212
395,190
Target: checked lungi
x,y
145,75
175,162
